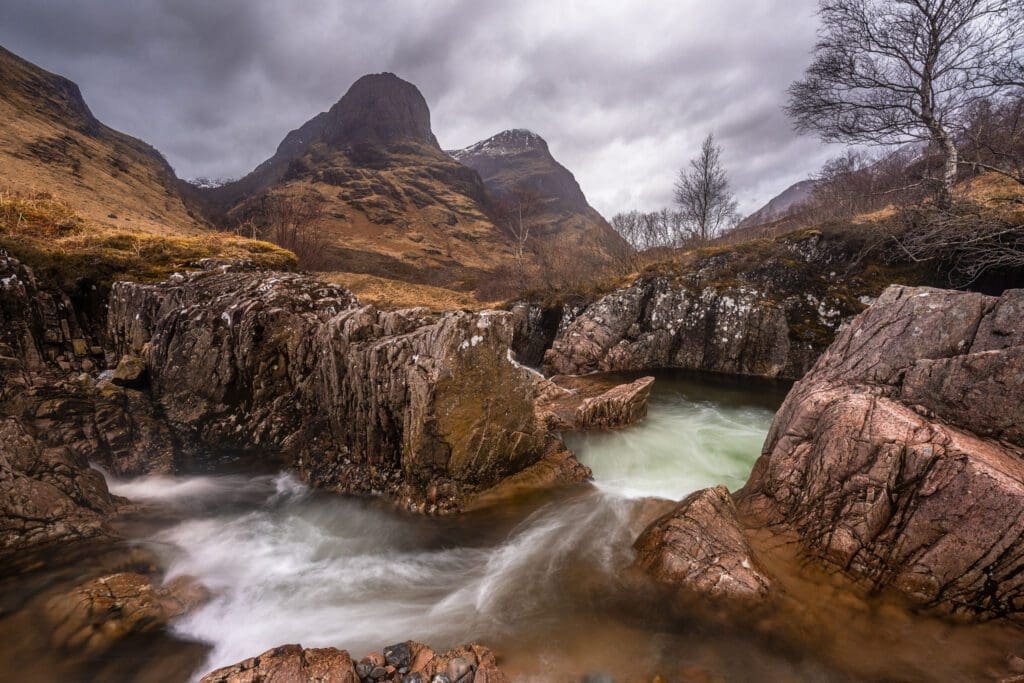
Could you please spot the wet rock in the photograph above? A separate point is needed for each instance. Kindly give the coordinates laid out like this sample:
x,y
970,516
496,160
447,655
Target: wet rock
x,y
47,494
130,372
700,549
359,399
582,403
618,407
98,614
533,330
118,428
292,663
39,329
398,655
557,468
898,459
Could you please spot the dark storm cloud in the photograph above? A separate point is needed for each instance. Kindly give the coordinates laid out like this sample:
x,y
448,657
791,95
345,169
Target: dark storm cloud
x,y
622,91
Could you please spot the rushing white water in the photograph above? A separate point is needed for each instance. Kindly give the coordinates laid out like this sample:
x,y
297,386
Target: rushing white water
x,y
289,565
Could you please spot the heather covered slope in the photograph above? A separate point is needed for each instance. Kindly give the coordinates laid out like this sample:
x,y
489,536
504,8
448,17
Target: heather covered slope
x,y
50,142
389,201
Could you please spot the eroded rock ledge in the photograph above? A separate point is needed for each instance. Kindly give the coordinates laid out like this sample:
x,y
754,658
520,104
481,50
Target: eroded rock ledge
x,y
898,459
408,662
427,409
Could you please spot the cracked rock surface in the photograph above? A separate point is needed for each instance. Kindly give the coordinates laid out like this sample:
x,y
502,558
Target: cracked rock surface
x,y
656,324
699,548
425,409
408,662
898,457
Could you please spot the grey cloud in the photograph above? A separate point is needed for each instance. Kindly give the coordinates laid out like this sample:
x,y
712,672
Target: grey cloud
x,y
623,92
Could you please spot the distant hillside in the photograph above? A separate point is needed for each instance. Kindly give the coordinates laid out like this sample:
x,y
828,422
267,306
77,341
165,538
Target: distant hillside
x,y
363,188
50,142
516,160
781,205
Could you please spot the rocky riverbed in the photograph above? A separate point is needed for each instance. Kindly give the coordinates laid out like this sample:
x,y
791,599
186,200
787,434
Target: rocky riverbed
x,y
274,449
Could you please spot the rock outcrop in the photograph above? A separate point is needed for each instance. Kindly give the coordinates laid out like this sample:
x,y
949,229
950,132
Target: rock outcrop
x,y
47,494
425,409
767,308
898,457
656,324
699,550
39,331
580,404
407,662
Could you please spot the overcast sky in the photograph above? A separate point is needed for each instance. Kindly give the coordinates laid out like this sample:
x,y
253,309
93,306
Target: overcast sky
x,y
622,91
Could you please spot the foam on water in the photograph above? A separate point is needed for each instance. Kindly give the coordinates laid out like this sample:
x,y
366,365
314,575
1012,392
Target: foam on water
x,y
287,565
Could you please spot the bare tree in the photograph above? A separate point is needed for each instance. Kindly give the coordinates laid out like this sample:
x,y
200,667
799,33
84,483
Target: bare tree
x,y
893,71
703,194
993,137
517,213
652,230
294,222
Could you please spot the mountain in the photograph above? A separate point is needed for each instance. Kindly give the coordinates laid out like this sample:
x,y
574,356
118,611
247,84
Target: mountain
x,y
781,205
517,162
50,142
388,201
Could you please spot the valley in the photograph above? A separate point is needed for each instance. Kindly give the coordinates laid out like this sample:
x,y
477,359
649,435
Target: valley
x,y
378,410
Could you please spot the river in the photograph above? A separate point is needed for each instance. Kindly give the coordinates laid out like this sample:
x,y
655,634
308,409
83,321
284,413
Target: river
x,y
542,581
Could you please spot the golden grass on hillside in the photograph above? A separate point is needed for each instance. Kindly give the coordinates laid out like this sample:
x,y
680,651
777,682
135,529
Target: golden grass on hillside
x,y
391,294
50,237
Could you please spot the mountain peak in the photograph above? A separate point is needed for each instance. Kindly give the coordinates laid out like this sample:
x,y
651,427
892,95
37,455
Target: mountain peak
x,y
380,109
506,143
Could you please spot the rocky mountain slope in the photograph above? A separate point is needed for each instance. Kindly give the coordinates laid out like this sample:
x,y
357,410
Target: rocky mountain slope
x,y
51,143
517,163
386,199
390,202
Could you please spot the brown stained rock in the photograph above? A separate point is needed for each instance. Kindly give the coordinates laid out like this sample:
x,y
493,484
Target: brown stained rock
x,y
294,664
557,468
700,550
399,403
289,664
130,372
620,406
582,403
46,494
882,457
96,615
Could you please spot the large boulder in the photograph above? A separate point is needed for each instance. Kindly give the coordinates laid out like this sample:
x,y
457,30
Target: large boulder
x,y
898,457
427,409
699,550
408,662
